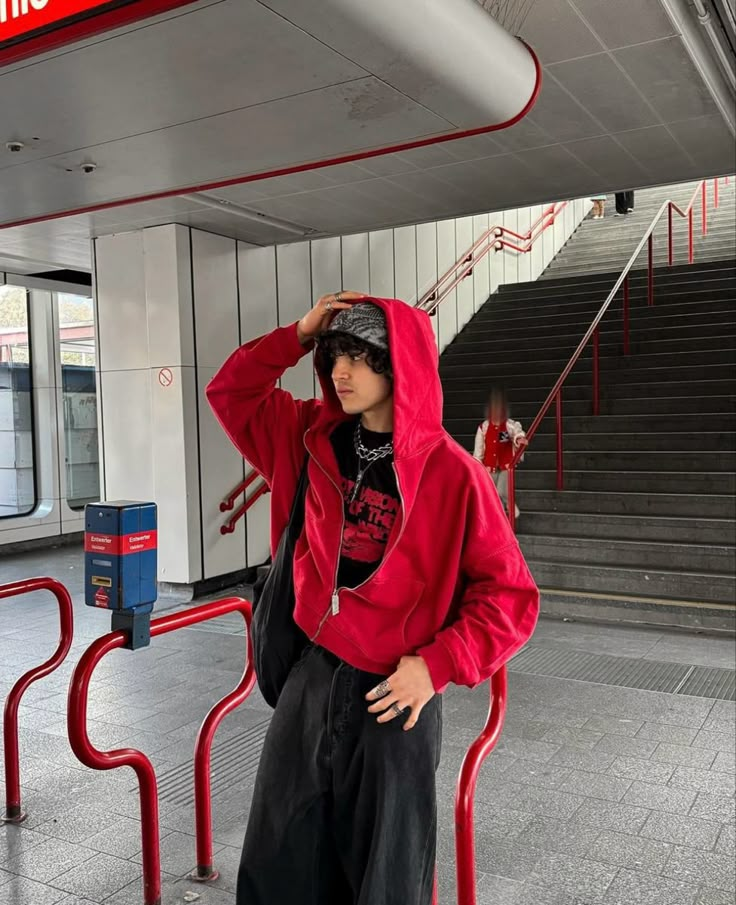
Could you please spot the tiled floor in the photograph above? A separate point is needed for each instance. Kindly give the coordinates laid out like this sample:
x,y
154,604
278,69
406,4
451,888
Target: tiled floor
x,y
596,795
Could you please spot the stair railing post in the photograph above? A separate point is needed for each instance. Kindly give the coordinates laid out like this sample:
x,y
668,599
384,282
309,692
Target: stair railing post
x,y
704,209
511,497
558,413
690,250
650,271
716,199
670,238
596,370
626,315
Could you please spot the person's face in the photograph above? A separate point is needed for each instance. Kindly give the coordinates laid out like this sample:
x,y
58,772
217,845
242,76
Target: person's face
x,y
497,408
357,385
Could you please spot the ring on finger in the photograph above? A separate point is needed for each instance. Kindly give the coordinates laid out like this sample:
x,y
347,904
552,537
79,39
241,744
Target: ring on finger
x,y
328,306
397,710
338,296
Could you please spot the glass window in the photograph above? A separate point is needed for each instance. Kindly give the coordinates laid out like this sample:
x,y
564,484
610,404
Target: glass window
x,y
79,392
17,474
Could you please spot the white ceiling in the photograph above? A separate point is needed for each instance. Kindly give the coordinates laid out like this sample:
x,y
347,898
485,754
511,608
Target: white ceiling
x,y
229,87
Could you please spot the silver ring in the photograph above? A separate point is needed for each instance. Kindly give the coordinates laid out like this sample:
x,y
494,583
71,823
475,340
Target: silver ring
x,y
338,296
382,689
328,306
397,710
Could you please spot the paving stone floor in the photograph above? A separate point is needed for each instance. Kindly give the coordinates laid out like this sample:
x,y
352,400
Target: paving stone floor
x,y
596,795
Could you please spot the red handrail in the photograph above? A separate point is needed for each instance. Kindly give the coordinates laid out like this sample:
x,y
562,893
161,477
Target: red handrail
x,y
555,394
129,757
491,240
230,524
227,504
13,810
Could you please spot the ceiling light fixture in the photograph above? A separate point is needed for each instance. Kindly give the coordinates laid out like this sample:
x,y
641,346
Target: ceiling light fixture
x,y
237,210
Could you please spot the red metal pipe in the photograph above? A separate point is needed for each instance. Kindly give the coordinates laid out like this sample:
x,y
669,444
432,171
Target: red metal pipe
x,y
626,315
202,751
716,199
465,795
229,526
558,417
13,809
110,760
690,246
227,504
596,371
670,237
704,209
650,270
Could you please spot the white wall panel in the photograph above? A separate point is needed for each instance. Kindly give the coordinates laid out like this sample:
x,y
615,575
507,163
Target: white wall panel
x,y
121,301
466,288
446,258
293,269
381,263
215,280
427,262
127,434
355,263
482,270
259,527
215,284
510,257
537,252
405,263
258,292
524,262
168,295
172,440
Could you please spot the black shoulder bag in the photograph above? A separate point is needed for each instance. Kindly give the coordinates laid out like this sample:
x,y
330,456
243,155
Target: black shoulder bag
x,y
278,642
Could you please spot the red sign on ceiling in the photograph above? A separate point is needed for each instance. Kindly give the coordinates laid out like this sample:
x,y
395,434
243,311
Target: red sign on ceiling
x,y
31,27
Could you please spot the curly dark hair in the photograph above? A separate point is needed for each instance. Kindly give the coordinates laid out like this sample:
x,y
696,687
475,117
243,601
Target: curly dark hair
x,y
331,346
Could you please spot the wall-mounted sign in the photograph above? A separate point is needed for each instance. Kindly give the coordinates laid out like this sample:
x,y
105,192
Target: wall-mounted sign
x,y
31,27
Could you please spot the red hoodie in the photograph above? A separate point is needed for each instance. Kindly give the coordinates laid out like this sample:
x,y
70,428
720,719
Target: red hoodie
x,y
453,586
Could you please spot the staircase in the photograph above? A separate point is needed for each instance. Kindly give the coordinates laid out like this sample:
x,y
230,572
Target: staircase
x,y
604,246
645,530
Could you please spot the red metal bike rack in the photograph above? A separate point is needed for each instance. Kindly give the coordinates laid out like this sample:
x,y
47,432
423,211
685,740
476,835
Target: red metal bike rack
x,y
13,811
129,757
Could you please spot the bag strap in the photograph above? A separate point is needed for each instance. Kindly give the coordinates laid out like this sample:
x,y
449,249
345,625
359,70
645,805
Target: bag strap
x,y
296,516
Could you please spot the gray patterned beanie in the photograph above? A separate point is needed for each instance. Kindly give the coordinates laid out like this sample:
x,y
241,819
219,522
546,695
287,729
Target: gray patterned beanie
x,y
364,321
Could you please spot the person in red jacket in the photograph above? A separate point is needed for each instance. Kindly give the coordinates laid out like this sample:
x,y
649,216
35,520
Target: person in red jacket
x,y
407,577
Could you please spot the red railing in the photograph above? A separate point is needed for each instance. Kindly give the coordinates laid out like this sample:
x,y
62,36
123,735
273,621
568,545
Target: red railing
x,y
227,504
13,810
491,240
129,757
593,332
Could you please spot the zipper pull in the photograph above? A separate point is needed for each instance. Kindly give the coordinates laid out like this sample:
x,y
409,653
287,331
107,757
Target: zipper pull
x,y
335,603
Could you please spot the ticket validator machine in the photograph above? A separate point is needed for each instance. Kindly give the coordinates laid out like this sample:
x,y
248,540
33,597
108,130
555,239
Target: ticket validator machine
x,y
120,556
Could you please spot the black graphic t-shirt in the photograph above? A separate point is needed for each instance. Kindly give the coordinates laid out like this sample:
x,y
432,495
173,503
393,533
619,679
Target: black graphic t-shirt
x,y
370,517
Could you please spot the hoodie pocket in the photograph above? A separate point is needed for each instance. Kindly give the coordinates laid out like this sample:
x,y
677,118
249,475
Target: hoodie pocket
x,y
374,616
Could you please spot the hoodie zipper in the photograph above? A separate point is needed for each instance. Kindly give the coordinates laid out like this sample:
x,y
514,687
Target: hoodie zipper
x,y
334,607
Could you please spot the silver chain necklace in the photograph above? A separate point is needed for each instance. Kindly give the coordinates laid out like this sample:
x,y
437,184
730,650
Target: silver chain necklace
x,y
366,458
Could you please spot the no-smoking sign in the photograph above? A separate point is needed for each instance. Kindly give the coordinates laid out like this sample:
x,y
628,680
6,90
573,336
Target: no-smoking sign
x,y
165,377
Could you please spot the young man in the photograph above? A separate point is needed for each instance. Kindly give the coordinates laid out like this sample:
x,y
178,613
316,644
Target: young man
x,y
407,577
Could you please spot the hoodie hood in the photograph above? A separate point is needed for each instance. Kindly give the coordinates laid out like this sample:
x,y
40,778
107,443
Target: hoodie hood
x,y
417,387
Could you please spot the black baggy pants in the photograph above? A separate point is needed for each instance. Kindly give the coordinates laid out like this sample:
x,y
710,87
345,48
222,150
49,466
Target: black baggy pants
x,y
344,810
624,202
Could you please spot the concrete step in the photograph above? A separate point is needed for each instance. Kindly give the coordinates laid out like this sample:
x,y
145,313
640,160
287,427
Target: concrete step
x,y
703,531
678,459
607,264
650,505
718,559
468,405
642,324
613,425
634,442
652,583
624,482
641,611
